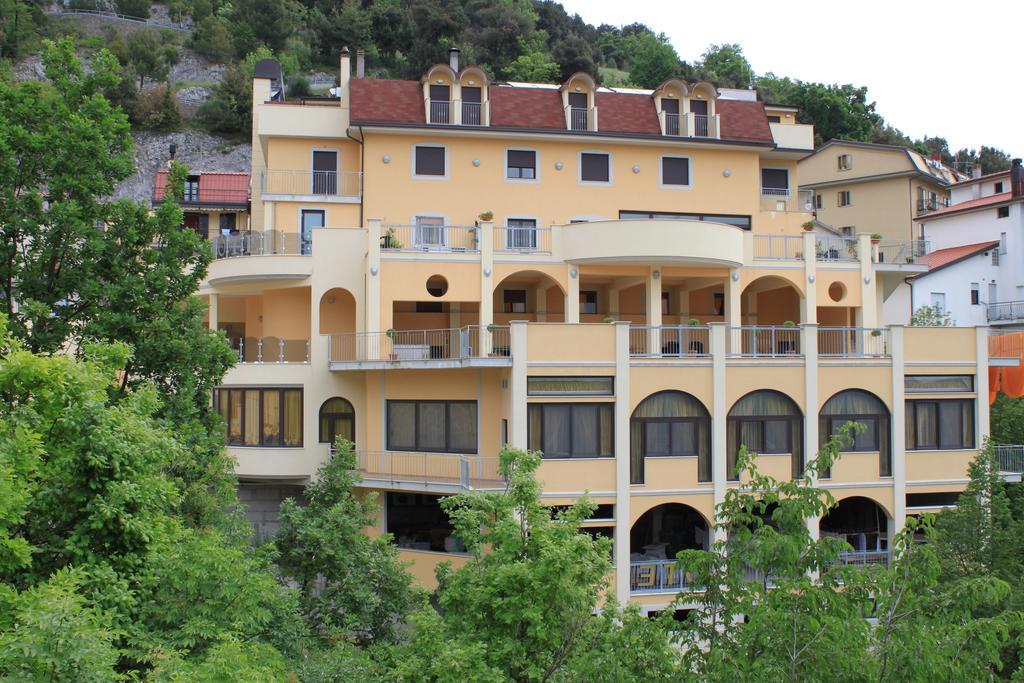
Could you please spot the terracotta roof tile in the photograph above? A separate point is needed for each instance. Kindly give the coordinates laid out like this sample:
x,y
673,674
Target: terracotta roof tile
x,y
386,100
526,108
990,200
940,258
627,113
214,187
744,121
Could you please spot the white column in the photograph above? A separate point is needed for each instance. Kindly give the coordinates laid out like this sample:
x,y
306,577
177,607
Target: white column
x,y
899,456
622,486
371,315
809,346
572,296
486,236
654,310
541,304
212,307
981,385
869,297
733,306
809,314
613,302
517,384
719,474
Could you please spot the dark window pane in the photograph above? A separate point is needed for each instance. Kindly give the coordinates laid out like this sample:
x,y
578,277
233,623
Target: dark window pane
x,y
470,94
926,415
684,438
557,431
675,171
751,433
439,92
938,383
586,430
951,428
401,425
431,427
658,438
578,100
522,158
462,426
776,436
775,178
594,167
429,161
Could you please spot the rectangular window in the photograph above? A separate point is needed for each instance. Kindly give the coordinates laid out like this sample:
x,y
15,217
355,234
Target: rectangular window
x,y
191,189
325,172
847,230
521,233
975,294
571,430
925,384
940,424
227,223
843,197
666,300
995,257
429,160
774,119
588,301
775,181
845,162
1002,243
432,426
522,164
675,171
817,201
998,188
514,300
939,299
418,522
261,417
569,386
1003,212
595,168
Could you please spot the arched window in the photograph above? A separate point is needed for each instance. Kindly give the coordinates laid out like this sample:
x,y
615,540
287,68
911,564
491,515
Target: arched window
x,y
863,408
337,418
670,423
767,422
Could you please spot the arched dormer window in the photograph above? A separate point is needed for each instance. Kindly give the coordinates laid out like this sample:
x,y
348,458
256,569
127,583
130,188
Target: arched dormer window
x,y
474,107
439,86
578,101
702,113
670,103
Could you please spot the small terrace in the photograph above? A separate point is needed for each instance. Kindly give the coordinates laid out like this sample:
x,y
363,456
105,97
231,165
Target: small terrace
x,y
260,243
431,235
471,345
428,471
1005,311
344,186
689,125
457,112
756,341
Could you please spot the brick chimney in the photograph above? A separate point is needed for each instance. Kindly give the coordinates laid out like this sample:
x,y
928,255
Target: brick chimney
x,y
453,59
1016,179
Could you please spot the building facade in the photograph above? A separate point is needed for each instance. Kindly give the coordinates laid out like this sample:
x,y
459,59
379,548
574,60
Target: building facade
x,y
616,278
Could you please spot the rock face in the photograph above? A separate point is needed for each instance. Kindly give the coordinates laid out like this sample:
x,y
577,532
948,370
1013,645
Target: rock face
x,y
199,151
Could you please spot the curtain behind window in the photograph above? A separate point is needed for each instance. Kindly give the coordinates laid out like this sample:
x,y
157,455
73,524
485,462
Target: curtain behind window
x,y
462,426
293,418
401,426
271,418
431,427
252,417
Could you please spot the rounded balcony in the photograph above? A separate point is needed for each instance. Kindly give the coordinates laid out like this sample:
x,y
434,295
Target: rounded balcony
x,y
662,241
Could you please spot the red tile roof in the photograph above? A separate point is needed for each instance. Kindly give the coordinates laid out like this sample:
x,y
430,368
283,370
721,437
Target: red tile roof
x,y
392,101
940,258
214,188
969,205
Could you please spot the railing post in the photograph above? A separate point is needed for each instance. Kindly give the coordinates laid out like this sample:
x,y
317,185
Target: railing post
x,y
241,349
718,415
259,350
280,350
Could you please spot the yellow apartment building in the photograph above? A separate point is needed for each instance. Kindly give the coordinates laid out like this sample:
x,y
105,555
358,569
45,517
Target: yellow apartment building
x,y
860,187
617,278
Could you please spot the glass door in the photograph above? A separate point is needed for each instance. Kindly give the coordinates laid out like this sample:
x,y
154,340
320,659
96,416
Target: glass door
x,y
311,219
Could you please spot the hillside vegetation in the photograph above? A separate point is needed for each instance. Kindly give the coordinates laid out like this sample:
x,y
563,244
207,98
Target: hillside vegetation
x,y
515,40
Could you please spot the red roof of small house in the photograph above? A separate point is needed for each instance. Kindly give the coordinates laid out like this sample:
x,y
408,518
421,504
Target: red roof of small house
x,y
940,258
969,205
214,188
540,108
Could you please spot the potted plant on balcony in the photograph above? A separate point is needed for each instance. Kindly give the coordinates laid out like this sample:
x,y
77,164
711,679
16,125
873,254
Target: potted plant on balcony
x,y
609,318
486,216
876,333
789,323
391,335
693,322
876,237
389,240
808,226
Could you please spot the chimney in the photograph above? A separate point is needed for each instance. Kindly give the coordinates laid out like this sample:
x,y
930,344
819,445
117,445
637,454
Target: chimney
x,y
453,59
360,63
1016,179
344,74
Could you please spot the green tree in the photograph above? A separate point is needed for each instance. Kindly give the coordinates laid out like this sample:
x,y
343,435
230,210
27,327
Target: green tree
x,y
150,56
836,111
534,67
654,61
19,30
134,8
157,109
211,39
726,66
931,316
352,586
228,111
1007,420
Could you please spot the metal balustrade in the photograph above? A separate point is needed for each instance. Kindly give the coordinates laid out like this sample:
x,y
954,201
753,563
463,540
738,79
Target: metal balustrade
x,y
518,239
672,124
1005,311
764,341
669,341
579,118
846,342
472,114
779,247
456,469
471,341
1010,458
653,576
440,111
430,237
701,125
775,192
836,248
863,558
271,350
265,243
901,252
320,183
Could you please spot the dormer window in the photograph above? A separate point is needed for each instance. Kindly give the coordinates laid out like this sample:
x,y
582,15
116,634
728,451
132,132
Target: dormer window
x,y
671,109
578,110
192,189
578,101
471,106
440,104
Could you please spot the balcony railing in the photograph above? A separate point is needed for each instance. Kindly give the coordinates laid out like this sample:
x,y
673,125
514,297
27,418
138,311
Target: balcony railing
x,y
774,191
1005,311
779,247
440,111
318,183
836,248
672,124
271,350
853,342
398,467
430,237
863,558
702,127
901,252
534,240
268,242
473,114
764,341
924,205
579,118
655,576
1010,458
669,341
471,341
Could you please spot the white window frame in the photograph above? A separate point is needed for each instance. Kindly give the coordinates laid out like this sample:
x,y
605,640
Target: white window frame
x,y
521,217
536,167
415,228
839,198
661,172
310,207
598,183
845,161
447,162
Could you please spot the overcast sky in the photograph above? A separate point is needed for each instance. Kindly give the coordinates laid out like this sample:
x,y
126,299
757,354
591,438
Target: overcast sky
x,y
936,68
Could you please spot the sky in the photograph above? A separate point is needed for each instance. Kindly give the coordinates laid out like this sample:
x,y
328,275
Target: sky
x,y
935,68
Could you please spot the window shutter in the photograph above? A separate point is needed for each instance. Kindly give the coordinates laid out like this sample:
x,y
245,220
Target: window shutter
x,y
594,167
522,158
775,178
430,161
675,171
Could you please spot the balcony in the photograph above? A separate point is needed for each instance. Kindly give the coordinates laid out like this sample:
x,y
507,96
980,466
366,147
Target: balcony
x,y
528,240
469,346
271,350
786,200
657,576
853,342
329,186
929,204
428,471
778,247
430,237
753,341
901,252
1006,311
663,241
265,243
457,112
793,135
579,118
669,341
836,248
439,111
1009,458
689,125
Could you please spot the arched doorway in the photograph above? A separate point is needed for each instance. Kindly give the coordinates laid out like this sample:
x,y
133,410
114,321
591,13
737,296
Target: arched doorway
x,y
655,540
528,295
669,423
868,411
770,300
337,419
863,524
337,312
769,423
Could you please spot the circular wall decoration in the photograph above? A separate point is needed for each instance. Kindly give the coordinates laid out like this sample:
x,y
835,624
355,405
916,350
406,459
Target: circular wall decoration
x,y
837,291
437,285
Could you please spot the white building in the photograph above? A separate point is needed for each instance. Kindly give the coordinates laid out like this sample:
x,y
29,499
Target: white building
x,y
975,281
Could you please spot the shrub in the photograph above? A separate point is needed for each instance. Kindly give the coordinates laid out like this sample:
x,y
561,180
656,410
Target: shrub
x,y
157,109
134,8
211,39
299,87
